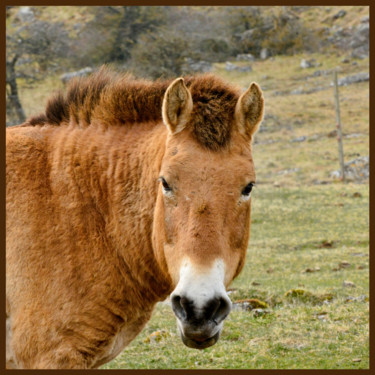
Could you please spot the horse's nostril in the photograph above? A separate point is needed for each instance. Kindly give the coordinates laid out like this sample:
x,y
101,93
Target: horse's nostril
x,y
178,308
211,308
216,310
182,307
223,309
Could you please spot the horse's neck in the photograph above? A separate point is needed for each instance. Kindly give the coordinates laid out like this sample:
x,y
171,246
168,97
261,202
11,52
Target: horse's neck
x,y
117,170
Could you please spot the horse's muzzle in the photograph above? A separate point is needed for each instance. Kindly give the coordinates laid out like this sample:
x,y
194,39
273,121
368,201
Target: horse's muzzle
x,y
200,327
200,343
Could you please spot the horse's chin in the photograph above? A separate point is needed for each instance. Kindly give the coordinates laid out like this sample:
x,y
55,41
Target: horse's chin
x,y
200,343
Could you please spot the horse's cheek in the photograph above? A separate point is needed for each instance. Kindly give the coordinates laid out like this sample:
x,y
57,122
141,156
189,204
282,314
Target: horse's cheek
x,y
159,235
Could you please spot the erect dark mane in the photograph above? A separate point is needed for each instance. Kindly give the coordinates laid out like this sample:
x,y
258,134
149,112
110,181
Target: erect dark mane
x,y
113,98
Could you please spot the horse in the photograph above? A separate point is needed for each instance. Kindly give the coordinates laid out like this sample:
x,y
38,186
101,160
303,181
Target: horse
x,y
122,193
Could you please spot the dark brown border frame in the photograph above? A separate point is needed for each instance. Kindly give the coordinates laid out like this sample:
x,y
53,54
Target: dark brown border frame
x,y
175,2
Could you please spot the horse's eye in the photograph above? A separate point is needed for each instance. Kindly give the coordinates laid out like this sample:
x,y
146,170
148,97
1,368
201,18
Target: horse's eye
x,y
247,189
166,187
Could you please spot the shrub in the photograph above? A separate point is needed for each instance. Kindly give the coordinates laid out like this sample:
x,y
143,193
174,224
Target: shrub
x,y
160,56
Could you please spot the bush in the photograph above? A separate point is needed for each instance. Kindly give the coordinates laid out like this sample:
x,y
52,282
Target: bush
x,y
160,56
213,50
278,30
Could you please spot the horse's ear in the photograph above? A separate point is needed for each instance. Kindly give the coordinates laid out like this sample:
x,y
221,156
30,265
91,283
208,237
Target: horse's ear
x,y
249,110
177,106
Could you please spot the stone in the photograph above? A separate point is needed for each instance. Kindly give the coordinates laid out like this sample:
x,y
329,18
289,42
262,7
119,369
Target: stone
x,y
299,139
198,66
264,54
25,14
232,67
248,34
355,78
308,63
245,57
355,170
260,312
348,284
157,336
341,13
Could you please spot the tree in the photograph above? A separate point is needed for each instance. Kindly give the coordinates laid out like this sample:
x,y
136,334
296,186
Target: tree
x,y
113,32
32,48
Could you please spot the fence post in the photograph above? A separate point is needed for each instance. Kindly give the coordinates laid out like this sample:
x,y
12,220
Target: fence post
x,y
338,126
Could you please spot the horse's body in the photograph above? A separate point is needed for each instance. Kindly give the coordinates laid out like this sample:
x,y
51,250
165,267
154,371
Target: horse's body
x,y
94,239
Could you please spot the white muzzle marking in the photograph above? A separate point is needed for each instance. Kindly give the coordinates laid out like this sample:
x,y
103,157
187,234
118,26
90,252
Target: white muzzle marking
x,y
199,286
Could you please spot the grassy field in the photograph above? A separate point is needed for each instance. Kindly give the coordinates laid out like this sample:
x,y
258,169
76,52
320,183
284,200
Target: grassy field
x,y
308,256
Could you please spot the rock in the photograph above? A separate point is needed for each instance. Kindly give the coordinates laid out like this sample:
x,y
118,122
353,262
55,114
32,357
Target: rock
x,y
264,54
341,13
344,264
249,304
248,34
232,67
25,14
354,135
362,298
296,91
332,134
307,63
198,66
322,315
320,182
304,64
325,245
345,60
317,73
360,41
299,139
354,39
245,57
66,77
355,170
310,270
348,284
157,336
288,171
296,293
365,19
260,312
